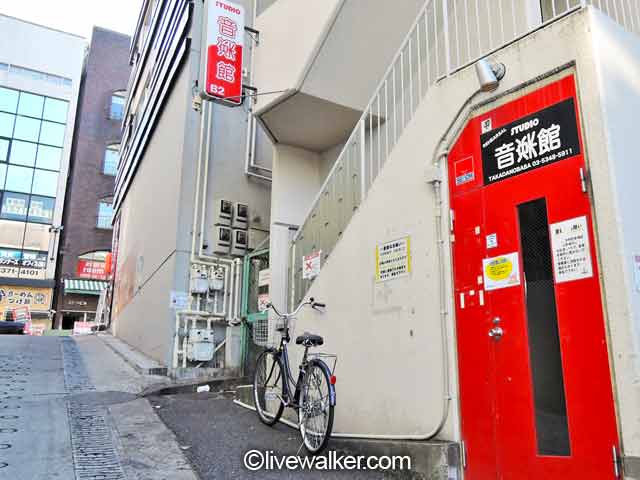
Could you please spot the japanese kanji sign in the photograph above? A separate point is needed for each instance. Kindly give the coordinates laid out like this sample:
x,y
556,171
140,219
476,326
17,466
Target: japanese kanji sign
x,y
393,259
571,250
225,42
531,142
311,265
37,299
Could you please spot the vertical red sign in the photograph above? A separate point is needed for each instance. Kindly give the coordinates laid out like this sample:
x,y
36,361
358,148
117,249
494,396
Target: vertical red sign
x,y
225,42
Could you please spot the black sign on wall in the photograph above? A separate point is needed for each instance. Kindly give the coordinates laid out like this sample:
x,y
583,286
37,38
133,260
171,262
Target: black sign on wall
x,y
531,142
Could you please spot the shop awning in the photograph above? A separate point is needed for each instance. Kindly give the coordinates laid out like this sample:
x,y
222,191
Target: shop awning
x,y
84,287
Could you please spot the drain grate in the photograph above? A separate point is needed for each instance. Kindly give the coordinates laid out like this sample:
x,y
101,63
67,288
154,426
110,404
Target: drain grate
x,y
94,454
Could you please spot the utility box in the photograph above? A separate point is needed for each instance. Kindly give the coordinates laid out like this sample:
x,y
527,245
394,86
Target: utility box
x,y
241,216
200,345
223,212
240,242
222,242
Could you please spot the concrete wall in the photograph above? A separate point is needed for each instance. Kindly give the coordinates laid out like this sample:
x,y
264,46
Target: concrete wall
x,y
387,336
615,171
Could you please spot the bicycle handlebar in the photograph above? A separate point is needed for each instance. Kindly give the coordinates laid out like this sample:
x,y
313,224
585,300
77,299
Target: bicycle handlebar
x,y
311,302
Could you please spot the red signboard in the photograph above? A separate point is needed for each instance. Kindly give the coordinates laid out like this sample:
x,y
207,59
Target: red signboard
x,y
91,269
225,42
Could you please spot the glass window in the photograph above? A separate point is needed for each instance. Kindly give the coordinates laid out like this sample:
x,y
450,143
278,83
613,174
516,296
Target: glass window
x,y
117,105
49,157
105,214
30,105
19,179
45,183
52,134
3,175
6,124
23,153
55,110
11,234
34,259
41,209
27,129
8,100
14,206
111,157
36,237
4,151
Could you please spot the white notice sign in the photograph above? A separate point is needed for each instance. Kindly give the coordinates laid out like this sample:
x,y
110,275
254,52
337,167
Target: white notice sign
x,y
501,272
393,259
311,265
571,250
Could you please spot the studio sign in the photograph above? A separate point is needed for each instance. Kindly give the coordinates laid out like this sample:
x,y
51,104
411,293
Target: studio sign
x,y
531,142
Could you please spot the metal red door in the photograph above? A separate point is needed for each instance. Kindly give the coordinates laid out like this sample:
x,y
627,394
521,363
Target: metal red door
x,y
535,386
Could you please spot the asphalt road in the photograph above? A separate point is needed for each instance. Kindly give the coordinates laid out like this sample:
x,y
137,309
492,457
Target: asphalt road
x,y
215,433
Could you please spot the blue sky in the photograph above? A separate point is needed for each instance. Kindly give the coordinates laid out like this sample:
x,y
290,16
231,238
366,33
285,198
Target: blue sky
x,y
76,16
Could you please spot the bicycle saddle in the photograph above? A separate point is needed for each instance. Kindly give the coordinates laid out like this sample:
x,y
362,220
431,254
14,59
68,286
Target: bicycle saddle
x,y
309,340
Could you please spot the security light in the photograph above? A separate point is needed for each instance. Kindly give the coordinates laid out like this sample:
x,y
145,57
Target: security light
x,y
489,74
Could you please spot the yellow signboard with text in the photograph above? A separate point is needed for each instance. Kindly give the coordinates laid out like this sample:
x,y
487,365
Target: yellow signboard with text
x,y
37,299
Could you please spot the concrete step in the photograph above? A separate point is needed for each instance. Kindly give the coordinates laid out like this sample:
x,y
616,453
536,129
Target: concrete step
x,y
431,459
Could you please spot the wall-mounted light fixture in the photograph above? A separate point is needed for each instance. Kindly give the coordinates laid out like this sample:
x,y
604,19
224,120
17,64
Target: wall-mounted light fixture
x,y
489,74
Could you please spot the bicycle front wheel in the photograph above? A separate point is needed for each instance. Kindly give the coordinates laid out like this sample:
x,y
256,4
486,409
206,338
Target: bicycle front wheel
x,y
268,382
315,414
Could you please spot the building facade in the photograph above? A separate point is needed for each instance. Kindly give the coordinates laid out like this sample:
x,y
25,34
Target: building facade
x,y
191,196
87,235
40,73
477,240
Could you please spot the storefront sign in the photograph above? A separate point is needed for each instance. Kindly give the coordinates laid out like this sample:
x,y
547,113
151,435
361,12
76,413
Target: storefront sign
x,y
311,265
91,269
531,142
225,43
393,259
37,299
571,250
14,264
501,272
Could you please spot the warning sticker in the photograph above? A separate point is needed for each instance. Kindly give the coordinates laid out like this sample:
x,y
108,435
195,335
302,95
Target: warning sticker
x,y
311,265
464,171
571,251
501,272
393,259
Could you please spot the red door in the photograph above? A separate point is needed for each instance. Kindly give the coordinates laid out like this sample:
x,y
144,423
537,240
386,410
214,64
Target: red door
x,y
535,385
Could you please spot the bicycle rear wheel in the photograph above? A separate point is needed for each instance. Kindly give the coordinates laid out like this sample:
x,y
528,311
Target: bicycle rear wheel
x,y
315,415
268,388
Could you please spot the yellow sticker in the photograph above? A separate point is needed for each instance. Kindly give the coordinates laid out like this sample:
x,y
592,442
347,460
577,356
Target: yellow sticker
x,y
499,269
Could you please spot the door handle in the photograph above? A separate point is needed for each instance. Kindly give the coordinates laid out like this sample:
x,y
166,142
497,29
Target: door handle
x,y
496,333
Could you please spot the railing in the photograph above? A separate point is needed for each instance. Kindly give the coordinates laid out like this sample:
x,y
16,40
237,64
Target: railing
x,y
447,36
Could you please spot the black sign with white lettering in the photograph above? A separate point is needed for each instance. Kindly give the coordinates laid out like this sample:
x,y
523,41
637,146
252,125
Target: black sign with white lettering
x,y
531,142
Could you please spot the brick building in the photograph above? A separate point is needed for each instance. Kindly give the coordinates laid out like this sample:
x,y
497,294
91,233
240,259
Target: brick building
x,y
86,237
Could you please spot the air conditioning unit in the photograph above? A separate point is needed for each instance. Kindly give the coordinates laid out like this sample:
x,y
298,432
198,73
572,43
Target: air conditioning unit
x,y
241,216
240,242
222,242
223,212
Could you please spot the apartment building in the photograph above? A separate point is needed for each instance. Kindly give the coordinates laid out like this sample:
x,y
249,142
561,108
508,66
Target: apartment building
x,y
40,72
456,180
87,235
191,195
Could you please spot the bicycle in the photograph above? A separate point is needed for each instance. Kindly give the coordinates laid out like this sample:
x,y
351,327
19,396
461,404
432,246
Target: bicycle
x,y
314,395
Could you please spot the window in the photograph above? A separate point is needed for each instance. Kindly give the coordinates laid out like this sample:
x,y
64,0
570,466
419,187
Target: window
x,y
36,237
6,124
105,214
23,153
14,206
55,110
41,209
11,234
27,129
45,183
52,134
49,157
8,100
30,105
3,175
19,179
111,158
117,105
4,152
